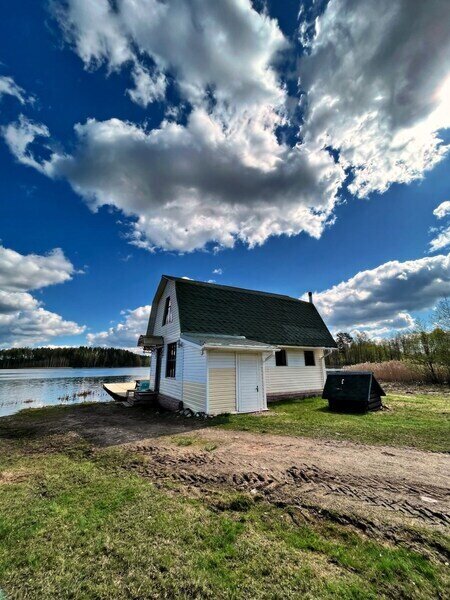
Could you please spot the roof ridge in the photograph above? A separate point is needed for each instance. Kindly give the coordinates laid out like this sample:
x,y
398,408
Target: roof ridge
x,y
234,288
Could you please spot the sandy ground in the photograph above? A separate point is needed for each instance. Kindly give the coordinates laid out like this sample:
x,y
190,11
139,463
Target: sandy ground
x,y
375,488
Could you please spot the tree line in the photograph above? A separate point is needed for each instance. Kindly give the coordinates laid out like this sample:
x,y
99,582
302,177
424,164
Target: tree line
x,y
426,348
83,356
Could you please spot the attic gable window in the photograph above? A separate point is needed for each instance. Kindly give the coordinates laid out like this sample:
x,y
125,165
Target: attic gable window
x,y
281,358
168,316
310,360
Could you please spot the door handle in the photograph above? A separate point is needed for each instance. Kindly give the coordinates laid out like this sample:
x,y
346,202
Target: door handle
x,y
257,388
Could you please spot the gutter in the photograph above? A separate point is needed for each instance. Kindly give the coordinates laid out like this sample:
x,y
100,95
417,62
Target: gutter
x,y
237,348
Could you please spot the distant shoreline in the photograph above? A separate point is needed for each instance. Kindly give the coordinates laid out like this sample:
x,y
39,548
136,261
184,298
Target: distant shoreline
x,y
81,357
74,368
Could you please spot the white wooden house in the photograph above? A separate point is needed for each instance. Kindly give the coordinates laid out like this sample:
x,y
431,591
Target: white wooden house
x,y
220,349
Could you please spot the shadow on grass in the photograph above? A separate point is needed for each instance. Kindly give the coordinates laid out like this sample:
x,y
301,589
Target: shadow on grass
x,y
341,411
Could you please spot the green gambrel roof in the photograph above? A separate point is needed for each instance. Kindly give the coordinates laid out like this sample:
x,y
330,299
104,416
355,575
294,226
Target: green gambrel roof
x,y
269,318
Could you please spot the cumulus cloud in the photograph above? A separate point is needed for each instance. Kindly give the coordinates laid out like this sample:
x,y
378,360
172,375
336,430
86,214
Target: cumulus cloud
x,y
8,87
382,299
442,210
29,327
224,174
19,272
442,238
19,135
22,318
377,78
199,41
189,185
148,87
217,271
126,333
13,302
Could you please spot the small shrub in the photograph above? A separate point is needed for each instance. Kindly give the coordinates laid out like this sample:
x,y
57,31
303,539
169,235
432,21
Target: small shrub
x,y
183,441
210,447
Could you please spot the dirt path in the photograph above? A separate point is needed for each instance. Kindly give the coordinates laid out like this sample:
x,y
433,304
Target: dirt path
x,y
369,484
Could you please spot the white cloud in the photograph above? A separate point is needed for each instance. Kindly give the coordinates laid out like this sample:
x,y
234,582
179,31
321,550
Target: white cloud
x,y
19,135
227,172
442,240
442,210
9,87
29,327
126,333
13,302
377,79
94,30
148,87
381,299
387,327
19,272
187,186
217,271
224,175
22,318
199,41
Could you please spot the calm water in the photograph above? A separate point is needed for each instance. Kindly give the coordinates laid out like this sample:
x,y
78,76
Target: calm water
x,y
32,388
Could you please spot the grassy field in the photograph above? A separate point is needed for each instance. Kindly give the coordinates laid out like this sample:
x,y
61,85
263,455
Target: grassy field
x,y
75,522
421,421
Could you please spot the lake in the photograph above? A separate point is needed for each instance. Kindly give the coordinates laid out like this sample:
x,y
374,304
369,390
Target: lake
x,y
33,388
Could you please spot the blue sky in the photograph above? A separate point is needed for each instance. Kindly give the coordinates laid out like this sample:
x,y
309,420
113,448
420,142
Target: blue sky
x,y
289,146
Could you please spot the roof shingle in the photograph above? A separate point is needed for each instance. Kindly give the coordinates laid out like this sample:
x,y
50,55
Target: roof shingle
x,y
261,316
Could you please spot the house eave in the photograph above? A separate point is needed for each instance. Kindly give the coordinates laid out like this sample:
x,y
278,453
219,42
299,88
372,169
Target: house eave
x,y
238,348
302,346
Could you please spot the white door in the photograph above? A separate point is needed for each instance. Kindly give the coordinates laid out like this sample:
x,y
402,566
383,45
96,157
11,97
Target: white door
x,y
250,384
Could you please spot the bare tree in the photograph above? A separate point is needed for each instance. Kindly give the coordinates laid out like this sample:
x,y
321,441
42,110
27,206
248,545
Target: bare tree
x,y
442,314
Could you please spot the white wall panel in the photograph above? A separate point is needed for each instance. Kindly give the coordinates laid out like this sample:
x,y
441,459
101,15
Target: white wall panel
x,y
295,378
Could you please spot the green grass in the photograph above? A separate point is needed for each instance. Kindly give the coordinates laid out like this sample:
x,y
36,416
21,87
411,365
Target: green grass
x,y
419,421
76,523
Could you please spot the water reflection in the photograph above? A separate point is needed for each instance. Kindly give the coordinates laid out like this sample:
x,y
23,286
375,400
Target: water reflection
x,y
33,388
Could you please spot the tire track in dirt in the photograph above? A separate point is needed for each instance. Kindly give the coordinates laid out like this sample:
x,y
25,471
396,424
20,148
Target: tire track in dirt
x,y
293,484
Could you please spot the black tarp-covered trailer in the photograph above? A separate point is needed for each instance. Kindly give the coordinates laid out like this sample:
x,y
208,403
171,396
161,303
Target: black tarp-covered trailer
x,y
353,391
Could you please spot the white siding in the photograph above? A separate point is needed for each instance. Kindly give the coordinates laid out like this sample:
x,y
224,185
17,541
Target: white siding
x,y
270,362
221,360
221,382
194,378
295,358
152,370
171,331
295,377
169,386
